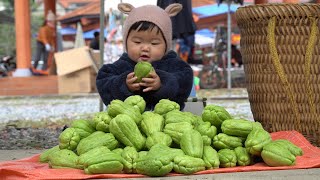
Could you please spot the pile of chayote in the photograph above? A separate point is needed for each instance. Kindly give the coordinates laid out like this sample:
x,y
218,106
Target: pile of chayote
x,y
127,139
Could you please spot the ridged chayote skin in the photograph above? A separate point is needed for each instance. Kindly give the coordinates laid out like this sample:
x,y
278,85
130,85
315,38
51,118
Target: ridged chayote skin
x,y
130,155
83,127
101,121
188,165
136,101
44,155
239,127
165,105
192,144
227,158
64,158
117,107
295,150
243,157
69,139
142,69
82,160
97,139
158,161
215,115
255,141
151,122
158,138
176,130
276,154
104,163
127,132
210,157
223,141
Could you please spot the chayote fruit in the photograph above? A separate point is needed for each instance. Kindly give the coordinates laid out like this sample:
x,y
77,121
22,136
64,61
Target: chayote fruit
x,y
176,116
83,127
117,107
69,139
223,141
142,69
210,157
118,151
277,154
188,165
104,163
165,105
64,158
192,144
137,102
44,155
158,138
243,157
239,127
227,158
151,122
130,155
176,130
82,160
127,132
215,115
295,150
158,161
255,141
101,121
97,139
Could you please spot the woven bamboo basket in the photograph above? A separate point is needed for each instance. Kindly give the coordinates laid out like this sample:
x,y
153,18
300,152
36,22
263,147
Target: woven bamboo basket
x,y
280,47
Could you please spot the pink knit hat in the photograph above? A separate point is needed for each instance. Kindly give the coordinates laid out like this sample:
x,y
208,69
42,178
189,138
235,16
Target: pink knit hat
x,y
150,13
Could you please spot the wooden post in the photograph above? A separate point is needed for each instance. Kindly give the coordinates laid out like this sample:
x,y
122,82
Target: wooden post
x,y
49,5
23,38
260,1
290,1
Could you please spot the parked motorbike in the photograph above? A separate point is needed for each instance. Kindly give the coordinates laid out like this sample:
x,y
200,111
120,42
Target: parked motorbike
x,y
7,64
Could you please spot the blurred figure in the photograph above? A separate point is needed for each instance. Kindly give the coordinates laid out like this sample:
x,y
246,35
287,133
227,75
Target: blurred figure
x,y
94,44
46,41
183,27
236,58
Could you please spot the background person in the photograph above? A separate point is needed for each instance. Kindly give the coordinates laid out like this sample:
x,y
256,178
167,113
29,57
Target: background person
x,y
94,44
46,41
184,28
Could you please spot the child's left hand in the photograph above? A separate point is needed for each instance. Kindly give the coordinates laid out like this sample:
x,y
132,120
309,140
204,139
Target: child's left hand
x,y
152,82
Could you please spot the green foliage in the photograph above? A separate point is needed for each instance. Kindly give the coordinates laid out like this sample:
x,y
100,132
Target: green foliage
x,y
8,32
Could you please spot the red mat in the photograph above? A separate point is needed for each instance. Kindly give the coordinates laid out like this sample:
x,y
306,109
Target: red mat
x,y
30,168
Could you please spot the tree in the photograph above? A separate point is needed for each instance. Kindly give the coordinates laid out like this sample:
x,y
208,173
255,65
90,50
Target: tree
x,y
7,27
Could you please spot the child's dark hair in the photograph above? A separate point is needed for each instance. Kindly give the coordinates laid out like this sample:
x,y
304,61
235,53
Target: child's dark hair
x,y
144,26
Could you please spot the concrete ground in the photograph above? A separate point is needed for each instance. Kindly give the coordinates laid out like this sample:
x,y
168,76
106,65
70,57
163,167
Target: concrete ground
x,y
219,97
297,174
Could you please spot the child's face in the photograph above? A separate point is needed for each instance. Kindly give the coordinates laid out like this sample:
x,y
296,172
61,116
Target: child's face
x,y
146,45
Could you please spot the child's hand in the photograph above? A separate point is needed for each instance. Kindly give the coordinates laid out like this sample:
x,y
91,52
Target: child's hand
x,y
152,82
131,84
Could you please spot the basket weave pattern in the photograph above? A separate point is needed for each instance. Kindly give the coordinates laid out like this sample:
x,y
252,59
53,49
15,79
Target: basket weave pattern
x,y
280,47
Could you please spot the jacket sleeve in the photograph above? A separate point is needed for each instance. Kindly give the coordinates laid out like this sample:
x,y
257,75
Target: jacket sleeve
x,y
176,83
111,83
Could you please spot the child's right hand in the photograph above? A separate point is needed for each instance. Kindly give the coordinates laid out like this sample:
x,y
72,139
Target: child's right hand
x,y
131,84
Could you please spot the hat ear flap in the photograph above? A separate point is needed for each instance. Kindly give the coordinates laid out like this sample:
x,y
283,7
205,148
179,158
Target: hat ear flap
x,y
173,9
125,8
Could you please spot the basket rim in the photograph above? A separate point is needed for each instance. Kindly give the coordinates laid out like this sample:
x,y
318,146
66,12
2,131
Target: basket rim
x,y
278,10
